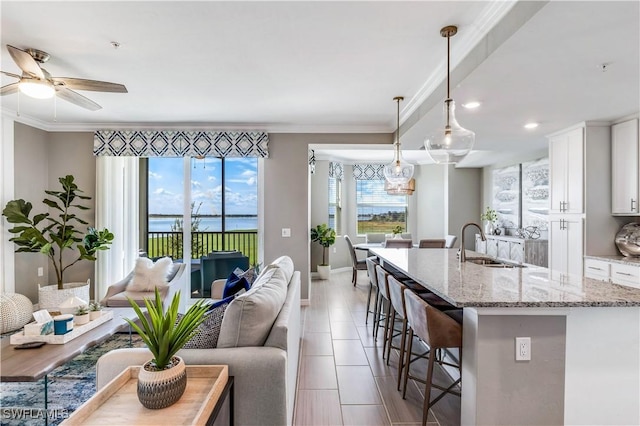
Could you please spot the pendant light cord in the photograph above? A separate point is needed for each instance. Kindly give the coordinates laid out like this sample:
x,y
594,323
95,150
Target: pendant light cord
x,y
448,65
398,130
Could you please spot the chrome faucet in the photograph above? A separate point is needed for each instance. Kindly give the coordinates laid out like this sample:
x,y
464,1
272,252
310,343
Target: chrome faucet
x,y
463,256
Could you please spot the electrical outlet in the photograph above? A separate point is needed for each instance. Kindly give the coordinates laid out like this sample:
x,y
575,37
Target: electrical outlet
x,y
523,348
334,250
286,232
40,271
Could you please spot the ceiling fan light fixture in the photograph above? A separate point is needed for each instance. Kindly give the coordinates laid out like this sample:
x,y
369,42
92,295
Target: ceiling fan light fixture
x,y
399,171
38,89
451,143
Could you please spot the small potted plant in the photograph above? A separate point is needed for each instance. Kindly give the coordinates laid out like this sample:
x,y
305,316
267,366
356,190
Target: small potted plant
x,y
163,379
397,230
326,237
490,217
95,310
81,316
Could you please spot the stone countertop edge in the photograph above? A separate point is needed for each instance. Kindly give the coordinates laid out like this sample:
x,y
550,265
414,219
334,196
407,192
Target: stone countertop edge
x,y
625,260
476,286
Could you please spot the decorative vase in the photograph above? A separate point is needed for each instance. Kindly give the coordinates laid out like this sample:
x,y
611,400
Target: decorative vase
x,y
160,389
488,227
49,297
93,315
628,239
81,319
324,271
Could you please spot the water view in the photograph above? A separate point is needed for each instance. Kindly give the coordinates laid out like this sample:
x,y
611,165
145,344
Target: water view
x,y
212,224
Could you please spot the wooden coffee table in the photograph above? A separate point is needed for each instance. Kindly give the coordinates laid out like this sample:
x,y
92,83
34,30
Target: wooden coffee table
x,y
42,360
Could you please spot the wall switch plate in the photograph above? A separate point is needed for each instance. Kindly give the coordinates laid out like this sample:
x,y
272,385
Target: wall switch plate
x,y
286,232
40,271
523,348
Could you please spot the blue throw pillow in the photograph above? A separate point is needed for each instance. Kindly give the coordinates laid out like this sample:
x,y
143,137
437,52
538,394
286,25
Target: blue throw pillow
x,y
234,284
226,300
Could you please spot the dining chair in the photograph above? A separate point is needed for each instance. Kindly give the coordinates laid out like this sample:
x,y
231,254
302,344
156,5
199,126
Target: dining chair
x,y
450,240
398,243
357,264
374,238
432,243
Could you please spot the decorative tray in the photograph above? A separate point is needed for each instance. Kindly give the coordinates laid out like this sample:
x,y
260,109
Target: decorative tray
x,y
61,339
117,403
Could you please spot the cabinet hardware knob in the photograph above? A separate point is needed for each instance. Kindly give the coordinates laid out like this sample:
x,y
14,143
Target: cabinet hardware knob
x,y
632,204
625,274
593,267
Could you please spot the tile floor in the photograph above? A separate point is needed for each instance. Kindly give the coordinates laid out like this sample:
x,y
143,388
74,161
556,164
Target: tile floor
x,y
343,379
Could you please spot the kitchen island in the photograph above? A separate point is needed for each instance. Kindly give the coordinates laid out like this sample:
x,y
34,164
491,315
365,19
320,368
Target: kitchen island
x,y
585,340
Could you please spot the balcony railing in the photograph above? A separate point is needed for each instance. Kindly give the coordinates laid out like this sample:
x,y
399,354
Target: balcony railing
x,y
170,243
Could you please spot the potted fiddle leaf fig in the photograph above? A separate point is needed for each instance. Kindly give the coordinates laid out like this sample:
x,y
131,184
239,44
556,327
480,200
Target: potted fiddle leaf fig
x,y
53,234
326,237
163,379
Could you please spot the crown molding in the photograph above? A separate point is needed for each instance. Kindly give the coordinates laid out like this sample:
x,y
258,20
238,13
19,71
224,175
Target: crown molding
x,y
269,128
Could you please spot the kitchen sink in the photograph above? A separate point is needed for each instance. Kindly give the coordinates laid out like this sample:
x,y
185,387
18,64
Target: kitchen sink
x,y
493,263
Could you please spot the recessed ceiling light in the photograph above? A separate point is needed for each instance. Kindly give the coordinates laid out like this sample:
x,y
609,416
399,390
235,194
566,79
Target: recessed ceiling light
x,y
531,125
471,105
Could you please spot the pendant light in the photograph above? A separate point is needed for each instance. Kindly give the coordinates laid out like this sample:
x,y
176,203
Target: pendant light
x,y
452,143
398,172
402,189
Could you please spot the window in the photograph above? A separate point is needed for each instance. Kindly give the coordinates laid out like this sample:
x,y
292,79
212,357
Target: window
x,y
224,206
378,211
335,207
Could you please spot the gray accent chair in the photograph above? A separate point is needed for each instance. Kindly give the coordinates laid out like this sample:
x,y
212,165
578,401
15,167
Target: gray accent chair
x,y
357,264
117,293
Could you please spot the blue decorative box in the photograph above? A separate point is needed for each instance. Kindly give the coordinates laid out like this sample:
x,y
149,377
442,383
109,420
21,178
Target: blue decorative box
x,y
62,324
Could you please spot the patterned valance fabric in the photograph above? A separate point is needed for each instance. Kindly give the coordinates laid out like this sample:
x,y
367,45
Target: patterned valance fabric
x,y
336,170
177,143
368,171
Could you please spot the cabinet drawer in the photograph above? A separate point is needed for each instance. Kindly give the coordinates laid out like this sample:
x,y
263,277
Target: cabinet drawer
x,y
625,274
597,269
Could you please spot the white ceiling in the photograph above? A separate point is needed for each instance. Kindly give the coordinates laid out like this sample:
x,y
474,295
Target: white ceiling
x,y
333,66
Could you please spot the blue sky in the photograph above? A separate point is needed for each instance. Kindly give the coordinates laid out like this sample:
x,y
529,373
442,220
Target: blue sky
x,y
166,185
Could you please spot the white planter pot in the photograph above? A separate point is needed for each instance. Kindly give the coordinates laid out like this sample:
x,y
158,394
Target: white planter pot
x,y
324,271
49,297
94,315
80,319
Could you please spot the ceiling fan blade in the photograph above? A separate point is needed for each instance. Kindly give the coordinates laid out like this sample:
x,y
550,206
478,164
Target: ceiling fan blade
x,y
10,74
9,89
95,85
76,98
25,62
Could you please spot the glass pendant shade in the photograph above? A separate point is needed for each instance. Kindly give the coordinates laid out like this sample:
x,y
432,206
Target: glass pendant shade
x,y
39,89
398,172
451,143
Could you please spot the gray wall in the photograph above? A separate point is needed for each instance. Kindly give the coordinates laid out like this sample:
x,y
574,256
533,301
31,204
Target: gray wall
x,y
40,159
430,201
463,192
31,179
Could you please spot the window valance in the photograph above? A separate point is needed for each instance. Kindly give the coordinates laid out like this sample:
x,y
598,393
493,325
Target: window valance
x,y
336,170
368,171
177,143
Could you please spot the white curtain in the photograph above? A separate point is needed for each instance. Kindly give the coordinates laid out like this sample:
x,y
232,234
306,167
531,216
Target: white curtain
x,y
117,209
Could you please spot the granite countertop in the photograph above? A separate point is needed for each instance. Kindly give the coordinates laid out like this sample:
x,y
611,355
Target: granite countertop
x,y
625,260
471,285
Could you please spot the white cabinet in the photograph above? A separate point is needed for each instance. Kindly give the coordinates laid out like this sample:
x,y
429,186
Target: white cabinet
x,y
566,159
566,246
624,168
626,274
533,252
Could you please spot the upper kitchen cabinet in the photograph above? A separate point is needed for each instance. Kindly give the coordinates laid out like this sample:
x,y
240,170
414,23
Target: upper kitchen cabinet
x,y
566,159
624,168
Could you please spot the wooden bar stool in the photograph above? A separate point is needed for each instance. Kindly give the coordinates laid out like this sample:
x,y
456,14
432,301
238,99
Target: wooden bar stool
x,y
439,331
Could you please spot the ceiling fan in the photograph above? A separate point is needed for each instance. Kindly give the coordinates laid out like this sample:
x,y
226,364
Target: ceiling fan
x,y
36,82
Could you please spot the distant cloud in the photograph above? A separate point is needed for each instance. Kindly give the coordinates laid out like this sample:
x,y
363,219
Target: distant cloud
x,y
155,175
211,178
162,191
196,184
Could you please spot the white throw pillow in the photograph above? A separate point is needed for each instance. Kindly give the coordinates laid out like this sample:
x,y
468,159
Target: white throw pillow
x,y
147,275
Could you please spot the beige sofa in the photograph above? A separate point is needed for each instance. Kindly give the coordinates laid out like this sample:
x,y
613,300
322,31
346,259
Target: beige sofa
x,y
259,341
